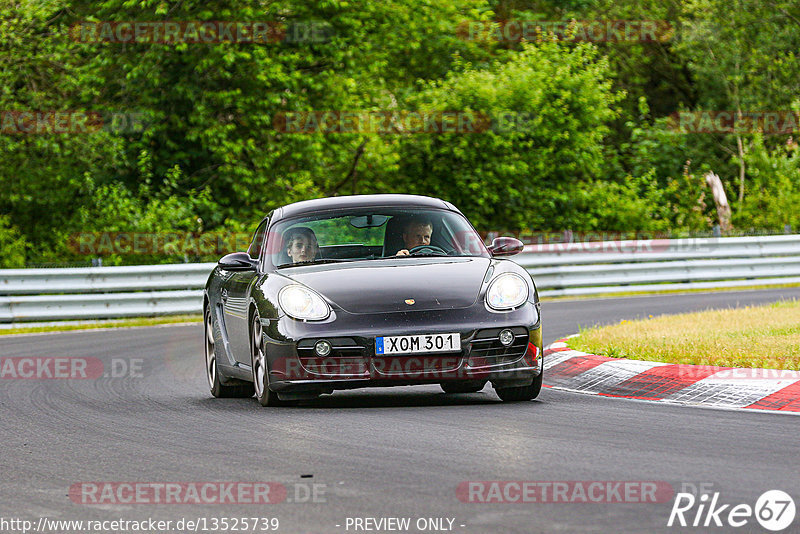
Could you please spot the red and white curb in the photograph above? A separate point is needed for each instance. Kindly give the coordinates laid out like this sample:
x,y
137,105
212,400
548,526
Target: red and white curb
x,y
722,387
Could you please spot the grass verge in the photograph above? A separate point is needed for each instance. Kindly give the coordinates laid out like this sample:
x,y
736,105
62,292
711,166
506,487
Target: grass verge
x,y
754,336
122,323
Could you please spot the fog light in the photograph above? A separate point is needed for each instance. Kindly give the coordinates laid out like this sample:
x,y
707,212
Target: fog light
x,y
506,337
322,348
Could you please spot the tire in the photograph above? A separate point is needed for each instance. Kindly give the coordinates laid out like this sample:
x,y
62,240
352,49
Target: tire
x,y
461,387
218,389
258,358
521,394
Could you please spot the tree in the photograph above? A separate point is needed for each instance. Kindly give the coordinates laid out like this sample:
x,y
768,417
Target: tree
x,y
548,109
743,55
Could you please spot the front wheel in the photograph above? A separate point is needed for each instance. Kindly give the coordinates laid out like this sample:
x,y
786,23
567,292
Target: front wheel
x,y
260,366
218,389
524,393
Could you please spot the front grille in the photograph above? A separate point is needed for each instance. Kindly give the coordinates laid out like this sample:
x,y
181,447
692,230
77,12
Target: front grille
x,y
346,357
486,349
419,365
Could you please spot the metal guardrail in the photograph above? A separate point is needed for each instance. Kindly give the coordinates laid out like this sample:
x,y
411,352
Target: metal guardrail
x,y
558,269
104,279
100,306
573,269
102,292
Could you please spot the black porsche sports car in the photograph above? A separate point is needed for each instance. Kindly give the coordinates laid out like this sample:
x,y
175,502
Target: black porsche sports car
x,y
366,291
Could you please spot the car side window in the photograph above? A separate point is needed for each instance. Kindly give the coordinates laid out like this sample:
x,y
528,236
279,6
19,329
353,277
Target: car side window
x,y
258,240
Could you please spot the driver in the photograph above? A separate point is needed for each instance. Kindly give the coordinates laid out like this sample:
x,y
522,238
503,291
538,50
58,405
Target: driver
x,y
416,232
301,244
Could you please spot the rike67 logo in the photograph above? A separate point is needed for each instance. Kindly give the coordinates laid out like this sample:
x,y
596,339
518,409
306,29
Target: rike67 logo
x,y
774,510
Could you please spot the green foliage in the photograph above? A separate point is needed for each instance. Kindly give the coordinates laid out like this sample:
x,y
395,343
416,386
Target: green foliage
x,y
548,106
217,120
679,201
580,141
743,56
743,53
42,175
155,215
773,191
12,245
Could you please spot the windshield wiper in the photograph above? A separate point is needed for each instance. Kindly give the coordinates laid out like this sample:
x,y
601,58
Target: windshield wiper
x,y
313,262
416,256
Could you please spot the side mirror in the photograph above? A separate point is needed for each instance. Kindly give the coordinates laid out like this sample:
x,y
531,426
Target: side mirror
x,y
506,246
237,261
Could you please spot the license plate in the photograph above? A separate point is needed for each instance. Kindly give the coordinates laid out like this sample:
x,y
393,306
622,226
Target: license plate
x,y
418,344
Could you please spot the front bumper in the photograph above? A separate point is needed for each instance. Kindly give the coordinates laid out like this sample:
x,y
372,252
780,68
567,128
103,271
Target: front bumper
x,y
295,368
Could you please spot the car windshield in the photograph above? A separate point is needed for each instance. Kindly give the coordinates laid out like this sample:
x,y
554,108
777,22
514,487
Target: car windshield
x,y
371,233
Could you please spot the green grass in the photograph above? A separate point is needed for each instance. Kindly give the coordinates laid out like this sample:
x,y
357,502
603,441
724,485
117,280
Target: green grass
x,y
754,336
122,323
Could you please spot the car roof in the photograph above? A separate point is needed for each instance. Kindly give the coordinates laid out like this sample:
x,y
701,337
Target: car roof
x,y
361,201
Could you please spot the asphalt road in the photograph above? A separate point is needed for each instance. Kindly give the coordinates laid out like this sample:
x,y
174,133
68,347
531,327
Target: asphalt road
x,y
389,452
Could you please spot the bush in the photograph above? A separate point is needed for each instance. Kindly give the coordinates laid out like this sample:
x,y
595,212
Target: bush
x,y
12,245
772,189
549,106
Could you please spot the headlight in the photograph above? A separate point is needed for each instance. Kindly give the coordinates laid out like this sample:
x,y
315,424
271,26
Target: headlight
x,y
507,291
302,303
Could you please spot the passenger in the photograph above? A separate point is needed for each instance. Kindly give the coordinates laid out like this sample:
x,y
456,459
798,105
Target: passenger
x,y
301,244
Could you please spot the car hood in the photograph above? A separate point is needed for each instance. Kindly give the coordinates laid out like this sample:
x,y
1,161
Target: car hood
x,y
378,286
